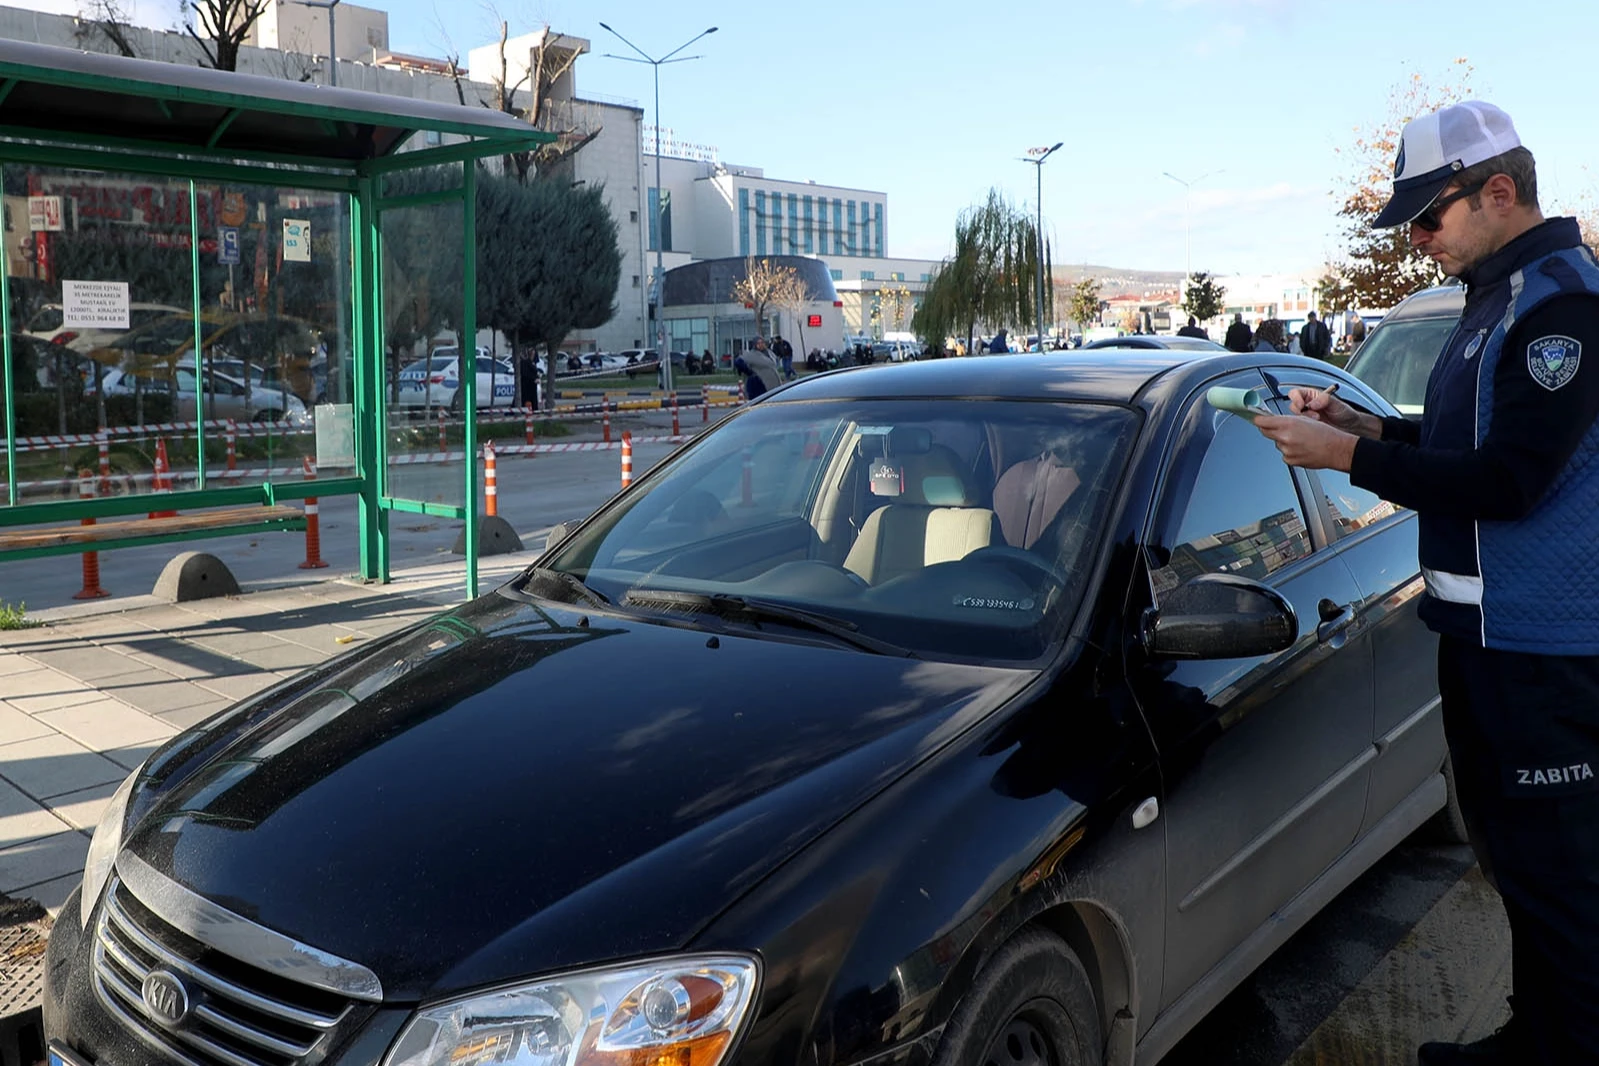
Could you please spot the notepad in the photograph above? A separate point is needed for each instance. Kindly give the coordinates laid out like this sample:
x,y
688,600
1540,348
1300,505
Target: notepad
x,y
1246,403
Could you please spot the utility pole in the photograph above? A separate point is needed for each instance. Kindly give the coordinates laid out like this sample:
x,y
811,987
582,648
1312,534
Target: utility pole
x,y
1188,233
659,285
1037,156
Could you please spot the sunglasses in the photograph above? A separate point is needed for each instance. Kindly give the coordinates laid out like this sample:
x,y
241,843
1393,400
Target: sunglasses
x,y
1432,218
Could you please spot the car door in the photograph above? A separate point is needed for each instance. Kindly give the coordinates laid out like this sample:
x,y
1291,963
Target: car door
x,y
1266,761
1378,541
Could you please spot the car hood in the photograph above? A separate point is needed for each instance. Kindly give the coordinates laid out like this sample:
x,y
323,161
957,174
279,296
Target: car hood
x,y
517,787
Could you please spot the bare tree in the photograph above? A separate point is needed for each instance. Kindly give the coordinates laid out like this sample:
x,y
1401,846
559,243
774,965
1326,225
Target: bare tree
x,y
763,285
220,27
105,20
792,296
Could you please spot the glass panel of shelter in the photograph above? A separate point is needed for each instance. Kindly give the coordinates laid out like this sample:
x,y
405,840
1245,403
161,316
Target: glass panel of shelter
x,y
99,270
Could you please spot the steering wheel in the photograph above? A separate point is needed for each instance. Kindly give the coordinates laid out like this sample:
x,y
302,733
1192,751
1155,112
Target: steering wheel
x,y
1017,560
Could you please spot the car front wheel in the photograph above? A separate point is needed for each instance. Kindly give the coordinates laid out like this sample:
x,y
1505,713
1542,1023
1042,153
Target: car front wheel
x,y
1031,1005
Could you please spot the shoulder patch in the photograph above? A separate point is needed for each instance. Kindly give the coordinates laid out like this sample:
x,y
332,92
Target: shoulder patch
x,y
1553,361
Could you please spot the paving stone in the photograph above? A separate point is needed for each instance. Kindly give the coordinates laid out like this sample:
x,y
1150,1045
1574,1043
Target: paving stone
x,y
40,682
40,636
106,724
185,717
85,664
47,859
16,663
160,696
82,809
238,687
54,765
231,644
52,895
285,656
23,819
130,757
51,701
15,726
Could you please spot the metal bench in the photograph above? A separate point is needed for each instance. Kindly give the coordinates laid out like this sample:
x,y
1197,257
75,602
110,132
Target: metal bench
x,y
32,542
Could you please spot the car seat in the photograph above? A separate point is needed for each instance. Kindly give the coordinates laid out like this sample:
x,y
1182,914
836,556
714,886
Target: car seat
x,y
1029,494
933,520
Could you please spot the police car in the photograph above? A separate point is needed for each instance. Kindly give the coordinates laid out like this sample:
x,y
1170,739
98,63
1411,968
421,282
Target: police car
x,y
436,381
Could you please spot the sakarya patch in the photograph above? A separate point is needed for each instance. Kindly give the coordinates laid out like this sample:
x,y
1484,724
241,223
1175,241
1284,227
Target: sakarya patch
x,y
1553,361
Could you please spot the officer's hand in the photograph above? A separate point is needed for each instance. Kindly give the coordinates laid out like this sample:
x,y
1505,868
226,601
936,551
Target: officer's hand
x,y
1308,443
1319,405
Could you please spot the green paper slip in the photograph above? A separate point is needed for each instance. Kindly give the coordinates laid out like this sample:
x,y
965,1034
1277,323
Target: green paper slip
x,y
1246,403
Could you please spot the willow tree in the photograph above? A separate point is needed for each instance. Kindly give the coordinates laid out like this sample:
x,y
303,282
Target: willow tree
x,y
992,277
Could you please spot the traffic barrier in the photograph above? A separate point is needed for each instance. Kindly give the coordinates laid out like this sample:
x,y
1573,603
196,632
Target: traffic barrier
x,y
627,458
313,527
748,499
443,444
675,429
103,446
605,416
527,422
91,589
233,445
705,404
491,481
162,481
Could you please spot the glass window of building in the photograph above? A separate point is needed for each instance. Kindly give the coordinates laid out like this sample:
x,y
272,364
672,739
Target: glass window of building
x,y
760,222
660,219
793,223
743,222
810,226
838,226
837,275
853,245
877,230
868,275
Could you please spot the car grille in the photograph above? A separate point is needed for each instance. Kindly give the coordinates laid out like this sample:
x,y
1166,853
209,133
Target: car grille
x,y
239,1015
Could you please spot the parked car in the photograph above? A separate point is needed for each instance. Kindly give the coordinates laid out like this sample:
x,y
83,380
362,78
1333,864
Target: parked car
x,y
967,706
1151,341
1397,356
226,396
282,346
48,324
436,382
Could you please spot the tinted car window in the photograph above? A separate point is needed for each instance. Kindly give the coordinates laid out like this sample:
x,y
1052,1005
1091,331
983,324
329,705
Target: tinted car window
x,y
882,513
1397,359
1242,514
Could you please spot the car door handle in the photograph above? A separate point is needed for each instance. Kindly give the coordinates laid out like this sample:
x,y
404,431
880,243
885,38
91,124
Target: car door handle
x,y
1335,618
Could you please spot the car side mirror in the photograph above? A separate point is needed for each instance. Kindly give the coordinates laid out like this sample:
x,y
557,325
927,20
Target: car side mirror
x,y
1219,616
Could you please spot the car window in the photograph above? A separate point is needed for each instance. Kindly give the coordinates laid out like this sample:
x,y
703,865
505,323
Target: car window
x,y
1236,511
45,319
1397,360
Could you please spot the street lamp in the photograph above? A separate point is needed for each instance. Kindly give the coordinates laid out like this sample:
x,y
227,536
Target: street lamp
x,y
333,53
660,210
1188,233
1036,156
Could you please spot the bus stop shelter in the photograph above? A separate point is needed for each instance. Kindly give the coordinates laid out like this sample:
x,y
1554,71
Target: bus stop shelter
x,y
225,293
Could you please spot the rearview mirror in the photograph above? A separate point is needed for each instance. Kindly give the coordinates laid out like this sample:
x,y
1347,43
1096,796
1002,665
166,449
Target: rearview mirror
x,y
1219,616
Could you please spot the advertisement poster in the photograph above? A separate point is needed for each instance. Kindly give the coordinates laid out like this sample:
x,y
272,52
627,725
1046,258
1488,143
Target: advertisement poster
x,y
296,240
94,304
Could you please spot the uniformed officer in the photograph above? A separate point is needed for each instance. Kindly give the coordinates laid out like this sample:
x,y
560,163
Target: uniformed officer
x,y
1503,471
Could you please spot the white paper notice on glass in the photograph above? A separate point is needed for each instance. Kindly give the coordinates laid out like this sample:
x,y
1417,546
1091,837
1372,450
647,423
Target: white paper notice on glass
x,y
335,435
94,304
296,240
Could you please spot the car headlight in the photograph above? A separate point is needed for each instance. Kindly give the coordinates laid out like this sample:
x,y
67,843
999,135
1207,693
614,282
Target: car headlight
x,y
685,1011
103,848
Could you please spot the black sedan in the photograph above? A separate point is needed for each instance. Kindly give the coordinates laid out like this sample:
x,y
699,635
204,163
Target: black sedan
x,y
946,712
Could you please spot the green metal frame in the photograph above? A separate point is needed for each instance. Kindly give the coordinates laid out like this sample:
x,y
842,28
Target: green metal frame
x,y
107,152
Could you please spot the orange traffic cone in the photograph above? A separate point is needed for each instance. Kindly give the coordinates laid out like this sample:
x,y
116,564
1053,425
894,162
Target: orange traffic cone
x,y
162,481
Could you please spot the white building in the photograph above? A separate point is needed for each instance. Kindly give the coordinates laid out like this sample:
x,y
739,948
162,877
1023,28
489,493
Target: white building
x,y
288,26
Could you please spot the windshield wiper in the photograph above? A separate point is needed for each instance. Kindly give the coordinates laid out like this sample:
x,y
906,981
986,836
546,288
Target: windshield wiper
x,y
571,583
740,608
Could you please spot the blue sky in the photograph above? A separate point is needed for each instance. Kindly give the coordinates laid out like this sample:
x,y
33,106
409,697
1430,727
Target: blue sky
x,y
932,102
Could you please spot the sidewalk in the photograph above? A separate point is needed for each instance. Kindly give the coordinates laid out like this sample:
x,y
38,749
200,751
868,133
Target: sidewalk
x,y
87,695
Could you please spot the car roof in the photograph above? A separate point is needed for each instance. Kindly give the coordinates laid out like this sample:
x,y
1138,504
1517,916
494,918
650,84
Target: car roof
x,y
1442,301
1107,375
1147,341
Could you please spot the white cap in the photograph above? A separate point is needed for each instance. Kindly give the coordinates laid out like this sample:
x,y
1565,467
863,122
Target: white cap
x,y
1434,147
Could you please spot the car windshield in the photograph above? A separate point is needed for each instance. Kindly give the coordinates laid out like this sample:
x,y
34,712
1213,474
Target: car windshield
x,y
1397,359
957,529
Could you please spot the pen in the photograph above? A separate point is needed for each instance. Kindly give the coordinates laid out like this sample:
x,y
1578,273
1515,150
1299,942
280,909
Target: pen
x,y
1328,391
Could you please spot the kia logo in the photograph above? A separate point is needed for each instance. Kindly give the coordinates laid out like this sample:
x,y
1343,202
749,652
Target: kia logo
x,y
165,998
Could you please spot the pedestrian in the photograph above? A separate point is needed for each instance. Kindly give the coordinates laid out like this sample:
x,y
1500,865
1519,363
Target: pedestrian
x,y
1239,338
1269,336
760,370
1193,330
1501,473
1314,339
784,353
